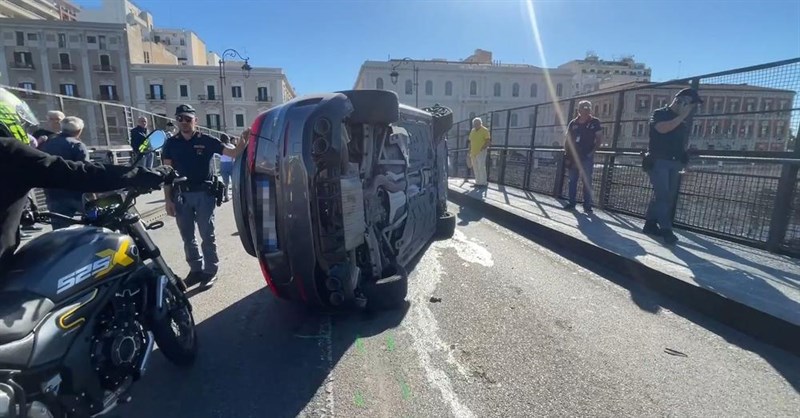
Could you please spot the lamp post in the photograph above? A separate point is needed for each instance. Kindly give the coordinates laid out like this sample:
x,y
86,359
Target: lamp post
x,y
231,53
394,74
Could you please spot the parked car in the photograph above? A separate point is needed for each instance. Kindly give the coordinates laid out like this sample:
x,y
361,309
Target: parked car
x,y
338,192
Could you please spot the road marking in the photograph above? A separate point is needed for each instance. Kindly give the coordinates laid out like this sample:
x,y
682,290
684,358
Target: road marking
x,y
326,343
422,324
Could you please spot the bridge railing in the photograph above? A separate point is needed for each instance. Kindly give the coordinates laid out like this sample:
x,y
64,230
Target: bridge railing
x,y
741,183
108,121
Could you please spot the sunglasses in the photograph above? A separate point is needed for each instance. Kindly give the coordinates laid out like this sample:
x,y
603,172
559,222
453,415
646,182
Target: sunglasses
x,y
184,118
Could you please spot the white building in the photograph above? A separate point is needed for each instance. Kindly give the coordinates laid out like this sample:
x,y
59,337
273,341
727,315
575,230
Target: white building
x,y
593,73
160,89
184,44
38,9
470,87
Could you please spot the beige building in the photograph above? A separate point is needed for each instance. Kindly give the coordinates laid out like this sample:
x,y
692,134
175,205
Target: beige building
x,y
184,44
140,29
735,117
78,59
469,87
593,73
161,89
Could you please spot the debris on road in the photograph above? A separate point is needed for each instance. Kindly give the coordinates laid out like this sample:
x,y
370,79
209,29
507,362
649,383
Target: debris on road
x,y
674,352
435,299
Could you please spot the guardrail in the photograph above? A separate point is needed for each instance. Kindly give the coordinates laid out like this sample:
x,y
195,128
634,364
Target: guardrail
x,y
108,124
741,183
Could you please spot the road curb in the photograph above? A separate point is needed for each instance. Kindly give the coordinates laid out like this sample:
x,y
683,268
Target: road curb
x,y
753,322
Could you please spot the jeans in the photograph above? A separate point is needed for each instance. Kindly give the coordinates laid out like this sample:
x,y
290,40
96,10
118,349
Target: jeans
x,y
146,161
198,207
66,207
581,170
226,170
479,168
664,179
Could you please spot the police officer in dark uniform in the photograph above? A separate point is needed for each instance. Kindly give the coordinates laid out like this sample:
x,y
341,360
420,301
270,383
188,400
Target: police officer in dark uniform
x,y
190,153
666,157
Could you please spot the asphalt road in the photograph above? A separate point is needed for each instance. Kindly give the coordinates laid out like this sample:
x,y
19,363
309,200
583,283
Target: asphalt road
x,y
514,330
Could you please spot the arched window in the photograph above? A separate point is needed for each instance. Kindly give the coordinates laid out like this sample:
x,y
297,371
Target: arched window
x,y
379,83
497,90
409,87
534,90
448,88
473,88
515,90
429,88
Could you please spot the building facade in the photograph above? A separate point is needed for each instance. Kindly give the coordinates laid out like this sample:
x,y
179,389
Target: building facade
x,y
473,86
39,9
160,89
184,44
733,117
593,73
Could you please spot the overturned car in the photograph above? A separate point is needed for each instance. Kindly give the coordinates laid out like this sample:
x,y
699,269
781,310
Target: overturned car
x,y
339,192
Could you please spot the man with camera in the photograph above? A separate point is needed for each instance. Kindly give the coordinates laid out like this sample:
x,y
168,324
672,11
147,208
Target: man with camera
x,y
666,157
193,201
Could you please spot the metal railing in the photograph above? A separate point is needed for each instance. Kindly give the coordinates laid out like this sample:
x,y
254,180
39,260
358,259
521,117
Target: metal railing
x,y
741,183
108,124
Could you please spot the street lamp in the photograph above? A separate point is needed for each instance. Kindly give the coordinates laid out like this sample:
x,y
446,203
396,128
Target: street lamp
x,y
231,53
394,74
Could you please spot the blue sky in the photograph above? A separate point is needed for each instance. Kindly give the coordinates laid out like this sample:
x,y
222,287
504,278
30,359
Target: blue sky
x,y
321,44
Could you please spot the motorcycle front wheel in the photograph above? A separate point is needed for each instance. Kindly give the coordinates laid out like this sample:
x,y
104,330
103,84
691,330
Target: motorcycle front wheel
x,y
175,332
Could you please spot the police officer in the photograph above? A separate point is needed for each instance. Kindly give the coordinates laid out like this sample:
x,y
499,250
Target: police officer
x,y
667,156
190,152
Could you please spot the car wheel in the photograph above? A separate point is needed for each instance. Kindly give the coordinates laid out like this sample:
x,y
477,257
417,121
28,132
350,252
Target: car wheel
x,y
442,120
373,106
388,293
446,226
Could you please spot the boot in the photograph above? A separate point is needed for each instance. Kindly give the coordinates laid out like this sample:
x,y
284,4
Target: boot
x,y
651,228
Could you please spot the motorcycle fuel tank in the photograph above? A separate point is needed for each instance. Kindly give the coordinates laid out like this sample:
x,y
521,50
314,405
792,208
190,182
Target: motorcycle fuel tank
x,y
62,263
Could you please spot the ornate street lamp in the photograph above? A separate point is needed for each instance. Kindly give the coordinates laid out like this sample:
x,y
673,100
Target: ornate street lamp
x,y
246,68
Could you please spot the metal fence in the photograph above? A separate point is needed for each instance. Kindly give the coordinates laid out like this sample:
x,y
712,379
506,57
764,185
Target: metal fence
x,y
108,124
741,183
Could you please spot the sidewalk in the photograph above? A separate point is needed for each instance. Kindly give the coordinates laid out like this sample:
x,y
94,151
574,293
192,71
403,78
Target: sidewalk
x,y
150,206
766,282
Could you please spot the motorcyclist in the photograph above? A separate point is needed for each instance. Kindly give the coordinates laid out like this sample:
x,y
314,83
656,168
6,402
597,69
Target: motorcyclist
x,y
23,167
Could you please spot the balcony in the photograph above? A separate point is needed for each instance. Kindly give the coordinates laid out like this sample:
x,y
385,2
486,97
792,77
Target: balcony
x,y
64,67
108,97
207,98
104,68
22,65
264,99
156,97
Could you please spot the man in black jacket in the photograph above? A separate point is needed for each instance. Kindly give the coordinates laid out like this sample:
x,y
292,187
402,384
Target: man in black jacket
x,y
24,168
669,133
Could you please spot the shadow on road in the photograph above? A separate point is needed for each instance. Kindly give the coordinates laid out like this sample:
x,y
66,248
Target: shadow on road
x,y
258,357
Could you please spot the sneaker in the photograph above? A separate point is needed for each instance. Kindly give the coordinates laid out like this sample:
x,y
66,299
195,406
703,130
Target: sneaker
x,y
669,237
208,280
588,210
651,228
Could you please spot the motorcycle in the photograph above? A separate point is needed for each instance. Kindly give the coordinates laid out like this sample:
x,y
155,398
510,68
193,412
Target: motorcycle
x,y
81,309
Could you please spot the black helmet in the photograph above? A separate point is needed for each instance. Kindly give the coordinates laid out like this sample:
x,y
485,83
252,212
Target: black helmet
x,y
15,117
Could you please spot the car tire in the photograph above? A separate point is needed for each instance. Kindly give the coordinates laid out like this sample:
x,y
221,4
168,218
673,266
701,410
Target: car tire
x,y
442,120
373,106
388,293
446,226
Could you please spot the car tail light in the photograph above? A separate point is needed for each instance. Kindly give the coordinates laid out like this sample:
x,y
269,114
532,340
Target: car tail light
x,y
267,276
255,131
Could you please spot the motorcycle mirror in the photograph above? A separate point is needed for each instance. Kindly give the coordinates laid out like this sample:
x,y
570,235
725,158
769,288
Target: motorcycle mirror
x,y
157,139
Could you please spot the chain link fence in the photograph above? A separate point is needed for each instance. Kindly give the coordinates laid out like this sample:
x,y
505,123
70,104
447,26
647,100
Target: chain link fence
x,y
740,184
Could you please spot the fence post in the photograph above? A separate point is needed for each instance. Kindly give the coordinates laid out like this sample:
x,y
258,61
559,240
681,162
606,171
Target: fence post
x,y
610,160
779,220
105,123
529,165
489,150
695,84
504,153
558,187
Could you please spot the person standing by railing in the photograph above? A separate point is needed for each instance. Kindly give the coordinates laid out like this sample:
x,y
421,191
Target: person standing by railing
x,y
584,136
665,158
479,141
54,118
140,148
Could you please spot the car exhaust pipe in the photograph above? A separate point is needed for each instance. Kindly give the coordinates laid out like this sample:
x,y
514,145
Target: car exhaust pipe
x,y
333,284
336,298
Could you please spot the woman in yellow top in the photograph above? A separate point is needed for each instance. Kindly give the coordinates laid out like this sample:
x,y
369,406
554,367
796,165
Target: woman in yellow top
x,y
479,141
